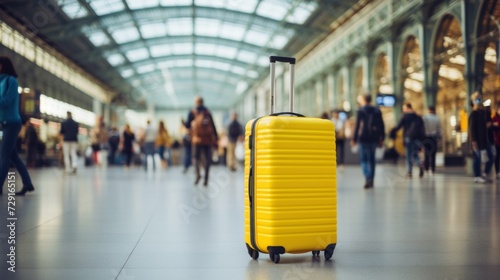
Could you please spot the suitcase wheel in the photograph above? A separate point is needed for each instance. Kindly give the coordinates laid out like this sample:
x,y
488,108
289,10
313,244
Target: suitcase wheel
x,y
315,253
254,254
328,254
274,257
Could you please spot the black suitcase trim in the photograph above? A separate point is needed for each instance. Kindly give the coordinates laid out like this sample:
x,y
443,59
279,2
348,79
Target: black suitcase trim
x,y
251,184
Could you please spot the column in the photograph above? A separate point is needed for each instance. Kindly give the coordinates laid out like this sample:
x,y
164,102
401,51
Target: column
x,y
393,50
318,92
97,107
331,89
367,72
468,14
107,113
430,77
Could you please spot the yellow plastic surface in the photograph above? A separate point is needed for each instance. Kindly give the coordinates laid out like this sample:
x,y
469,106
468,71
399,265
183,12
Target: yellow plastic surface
x,y
295,185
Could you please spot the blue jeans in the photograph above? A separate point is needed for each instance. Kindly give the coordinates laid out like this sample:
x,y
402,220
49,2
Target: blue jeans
x,y
149,150
8,154
476,164
187,154
412,149
367,158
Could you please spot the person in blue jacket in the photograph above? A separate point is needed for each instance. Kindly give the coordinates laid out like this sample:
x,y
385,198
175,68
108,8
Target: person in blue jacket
x,y
10,120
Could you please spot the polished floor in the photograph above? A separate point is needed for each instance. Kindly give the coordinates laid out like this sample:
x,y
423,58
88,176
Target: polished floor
x,y
131,224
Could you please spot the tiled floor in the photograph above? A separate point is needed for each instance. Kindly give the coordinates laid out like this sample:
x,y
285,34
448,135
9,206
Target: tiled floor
x,y
118,224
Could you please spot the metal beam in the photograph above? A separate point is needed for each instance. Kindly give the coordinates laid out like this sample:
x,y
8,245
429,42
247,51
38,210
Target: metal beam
x,y
156,14
193,57
96,53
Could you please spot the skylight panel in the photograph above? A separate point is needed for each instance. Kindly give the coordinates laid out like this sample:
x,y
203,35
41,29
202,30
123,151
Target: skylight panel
x,y
137,54
247,6
257,38
221,66
253,74
232,31
160,50
210,3
72,8
263,61
184,48
238,70
206,49
125,35
102,7
226,52
246,56
302,12
99,38
183,63
278,42
115,59
207,27
180,26
127,73
139,4
273,9
146,68
241,86
176,2
203,63
153,30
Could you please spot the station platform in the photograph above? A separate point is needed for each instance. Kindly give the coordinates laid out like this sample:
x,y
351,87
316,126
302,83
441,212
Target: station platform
x,y
132,224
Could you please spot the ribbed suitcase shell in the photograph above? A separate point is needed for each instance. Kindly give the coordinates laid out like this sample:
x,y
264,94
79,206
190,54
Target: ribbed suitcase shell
x,y
295,197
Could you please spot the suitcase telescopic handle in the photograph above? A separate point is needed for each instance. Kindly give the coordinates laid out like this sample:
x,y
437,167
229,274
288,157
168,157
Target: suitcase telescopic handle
x,y
273,60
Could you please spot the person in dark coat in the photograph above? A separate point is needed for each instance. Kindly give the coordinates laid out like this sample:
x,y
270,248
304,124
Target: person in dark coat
x,y
480,142
414,136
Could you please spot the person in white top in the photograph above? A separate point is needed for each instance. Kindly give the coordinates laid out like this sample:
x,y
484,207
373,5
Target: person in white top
x,y
432,137
148,140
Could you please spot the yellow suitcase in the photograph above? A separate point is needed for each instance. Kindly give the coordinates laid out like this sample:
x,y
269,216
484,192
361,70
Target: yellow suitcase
x,y
290,183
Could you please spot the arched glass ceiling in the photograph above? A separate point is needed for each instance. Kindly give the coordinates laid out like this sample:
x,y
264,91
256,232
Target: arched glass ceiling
x,y
216,48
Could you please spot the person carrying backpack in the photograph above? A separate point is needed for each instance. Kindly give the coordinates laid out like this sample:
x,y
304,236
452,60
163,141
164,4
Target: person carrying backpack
x,y
413,135
204,136
368,134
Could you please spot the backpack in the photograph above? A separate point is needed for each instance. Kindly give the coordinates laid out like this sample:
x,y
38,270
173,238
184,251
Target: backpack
x,y
416,129
372,130
202,130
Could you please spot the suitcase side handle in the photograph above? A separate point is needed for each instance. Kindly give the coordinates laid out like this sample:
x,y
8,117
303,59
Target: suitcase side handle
x,y
273,60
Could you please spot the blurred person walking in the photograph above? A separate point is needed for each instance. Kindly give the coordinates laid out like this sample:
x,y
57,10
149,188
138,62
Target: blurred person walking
x,y
204,136
369,132
99,142
31,142
113,143
128,145
339,137
162,143
69,137
234,133
478,135
186,143
432,126
10,120
148,144
496,133
413,135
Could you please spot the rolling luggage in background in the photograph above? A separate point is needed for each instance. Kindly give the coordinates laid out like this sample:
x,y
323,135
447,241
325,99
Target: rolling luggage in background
x,y
290,182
